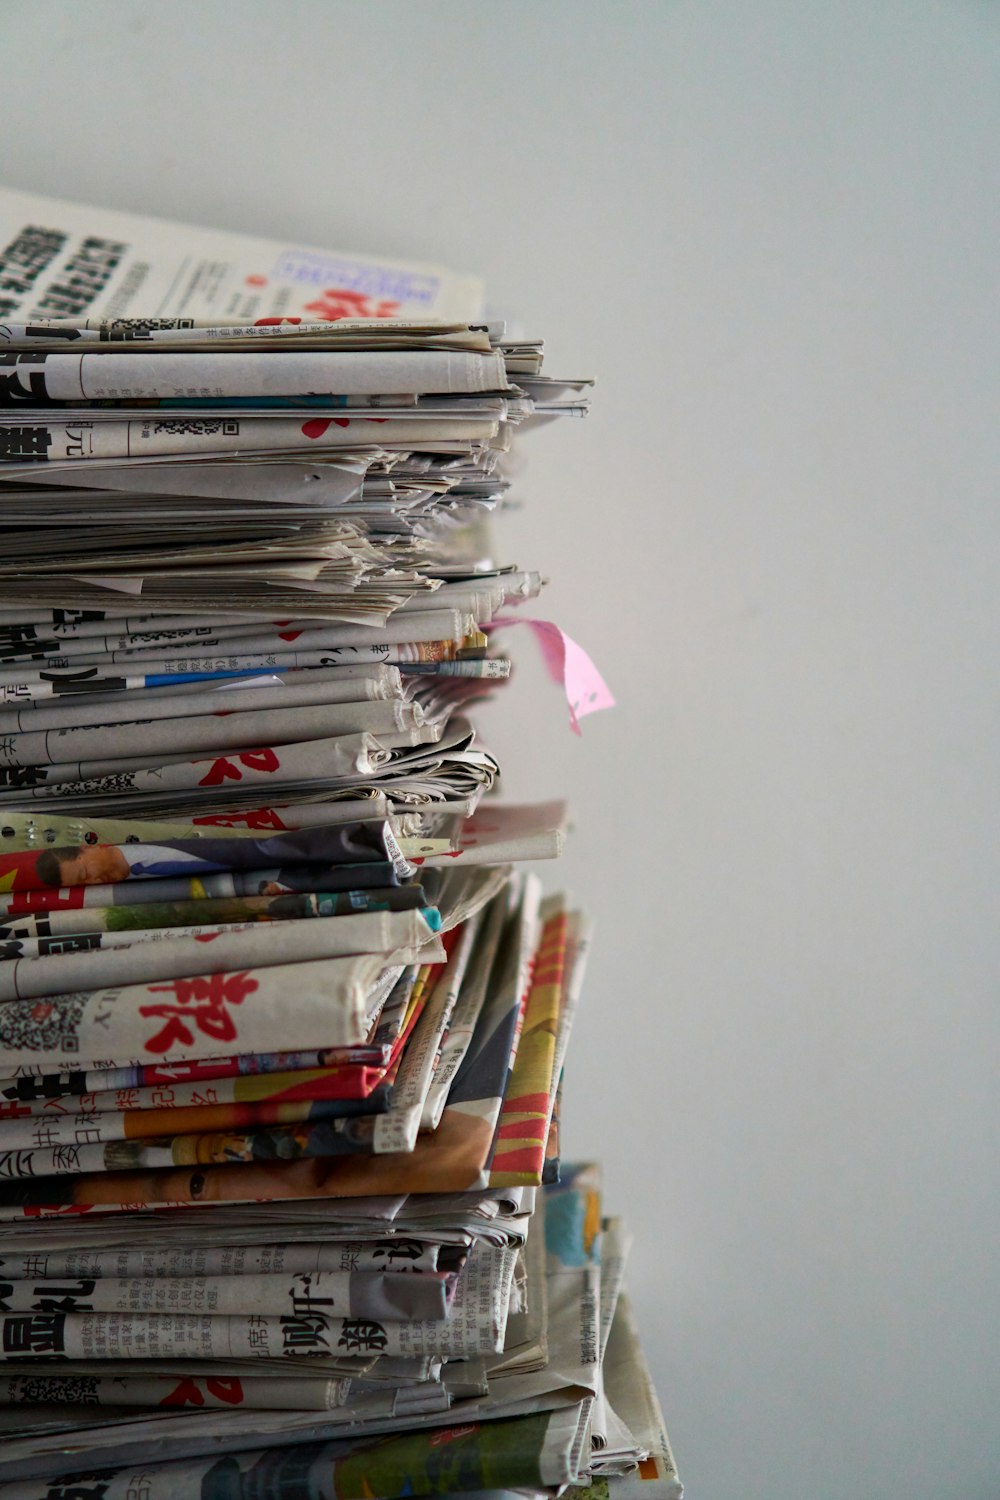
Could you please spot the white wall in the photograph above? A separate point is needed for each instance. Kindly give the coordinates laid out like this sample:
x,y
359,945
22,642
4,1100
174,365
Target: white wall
x,y
770,229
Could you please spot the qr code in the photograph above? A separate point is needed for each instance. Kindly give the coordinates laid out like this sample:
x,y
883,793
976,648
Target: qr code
x,y
69,1390
43,1025
122,781
200,428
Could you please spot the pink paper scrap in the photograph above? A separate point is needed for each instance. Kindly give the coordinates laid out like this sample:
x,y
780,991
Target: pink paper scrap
x,y
568,664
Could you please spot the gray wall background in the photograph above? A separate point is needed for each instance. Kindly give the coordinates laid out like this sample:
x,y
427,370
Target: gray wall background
x,y
769,229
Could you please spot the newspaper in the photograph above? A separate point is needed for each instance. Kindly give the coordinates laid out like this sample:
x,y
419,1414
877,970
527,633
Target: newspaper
x,y
205,1014
178,958
282,1039
247,1113
530,1451
453,1156
397,1129
615,1245
173,1105
496,834
56,927
330,758
527,1104
331,480
66,1322
578,934
483,942
94,335
64,260
108,375
440,627
96,631
556,1355
221,1393
91,942
479,1218
93,863
203,732
630,1388
427,624
388,1008
528,1345
290,879
346,683
145,441
23,831
222,1104
393,1256
354,1294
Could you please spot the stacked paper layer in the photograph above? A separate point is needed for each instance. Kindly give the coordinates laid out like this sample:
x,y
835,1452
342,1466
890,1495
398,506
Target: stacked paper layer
x,y
283,1020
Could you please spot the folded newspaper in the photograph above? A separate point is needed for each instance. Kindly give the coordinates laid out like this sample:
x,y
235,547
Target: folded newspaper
x,y
284,1012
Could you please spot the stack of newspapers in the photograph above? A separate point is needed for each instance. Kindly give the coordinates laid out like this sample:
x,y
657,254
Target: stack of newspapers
x,y
284,1010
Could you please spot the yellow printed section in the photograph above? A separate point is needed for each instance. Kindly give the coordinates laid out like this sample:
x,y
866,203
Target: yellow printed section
x,y
524,1119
